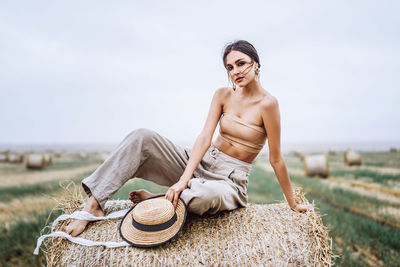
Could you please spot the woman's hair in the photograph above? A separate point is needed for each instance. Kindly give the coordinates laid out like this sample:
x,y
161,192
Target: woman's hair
x,y
244,47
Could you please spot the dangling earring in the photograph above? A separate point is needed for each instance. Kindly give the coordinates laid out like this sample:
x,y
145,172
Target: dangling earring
x,y
233,85
257,72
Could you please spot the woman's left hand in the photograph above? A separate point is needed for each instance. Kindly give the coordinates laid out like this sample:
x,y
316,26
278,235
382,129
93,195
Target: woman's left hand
x,y
303,207
175,190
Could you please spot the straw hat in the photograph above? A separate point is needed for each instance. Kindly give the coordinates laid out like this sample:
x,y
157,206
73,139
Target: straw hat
x,y
152,222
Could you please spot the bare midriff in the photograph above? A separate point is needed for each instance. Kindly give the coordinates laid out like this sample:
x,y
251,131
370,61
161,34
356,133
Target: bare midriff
x,y
232,151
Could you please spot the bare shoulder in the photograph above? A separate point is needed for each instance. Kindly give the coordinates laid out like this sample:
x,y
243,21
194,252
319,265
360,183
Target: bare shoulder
x,y
222,95
223,92
269,103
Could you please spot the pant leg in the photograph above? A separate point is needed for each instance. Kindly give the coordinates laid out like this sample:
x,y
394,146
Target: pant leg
x,y
222,184
143,153
209,196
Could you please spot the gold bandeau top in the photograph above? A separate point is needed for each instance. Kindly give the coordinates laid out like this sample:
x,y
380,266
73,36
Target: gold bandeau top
x,y
241,134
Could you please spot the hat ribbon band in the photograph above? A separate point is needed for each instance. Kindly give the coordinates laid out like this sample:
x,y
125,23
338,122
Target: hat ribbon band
x,y
155,227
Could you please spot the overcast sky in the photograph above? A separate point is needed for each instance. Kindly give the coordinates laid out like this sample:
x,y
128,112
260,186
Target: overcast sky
x,y
92,71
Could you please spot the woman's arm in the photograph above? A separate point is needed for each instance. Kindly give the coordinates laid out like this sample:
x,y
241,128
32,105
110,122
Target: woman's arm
x,y
202,143
271,119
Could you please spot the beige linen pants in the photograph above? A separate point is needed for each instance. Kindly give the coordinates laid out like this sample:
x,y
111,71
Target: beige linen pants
x,y
218,183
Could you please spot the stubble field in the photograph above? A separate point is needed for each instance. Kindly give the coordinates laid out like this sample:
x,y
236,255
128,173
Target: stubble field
x,y
360,205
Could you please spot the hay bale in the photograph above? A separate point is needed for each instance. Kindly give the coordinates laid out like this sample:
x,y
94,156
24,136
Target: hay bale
x,y
262,235
3,157
83,155
48,159
316,165
4,152
351,157
393,150
15,158
35,161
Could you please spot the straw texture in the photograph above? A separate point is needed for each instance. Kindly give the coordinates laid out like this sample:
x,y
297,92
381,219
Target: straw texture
x,y
268,235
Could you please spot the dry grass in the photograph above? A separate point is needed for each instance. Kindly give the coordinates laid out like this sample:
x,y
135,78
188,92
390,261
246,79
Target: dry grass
x,y
22,207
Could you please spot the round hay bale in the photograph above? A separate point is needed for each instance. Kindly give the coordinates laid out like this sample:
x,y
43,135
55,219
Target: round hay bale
x,y
48,159
393,150
35,161
3,157
316,165
258,235
83,155
15,158
352,158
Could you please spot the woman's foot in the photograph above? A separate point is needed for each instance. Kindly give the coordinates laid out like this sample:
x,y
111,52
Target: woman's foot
x,y
138,195
77,226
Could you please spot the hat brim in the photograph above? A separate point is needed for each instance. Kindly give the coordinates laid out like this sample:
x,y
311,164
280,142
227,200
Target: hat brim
x,y
139,238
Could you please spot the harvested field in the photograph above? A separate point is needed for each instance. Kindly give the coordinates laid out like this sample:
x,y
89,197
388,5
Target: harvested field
x,y
359,205
39,177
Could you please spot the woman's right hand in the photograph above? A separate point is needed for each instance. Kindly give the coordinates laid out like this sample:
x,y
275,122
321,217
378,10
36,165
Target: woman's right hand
x,y
175,190
303,207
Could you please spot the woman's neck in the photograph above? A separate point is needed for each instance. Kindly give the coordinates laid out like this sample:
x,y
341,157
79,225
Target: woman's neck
x,y
252,89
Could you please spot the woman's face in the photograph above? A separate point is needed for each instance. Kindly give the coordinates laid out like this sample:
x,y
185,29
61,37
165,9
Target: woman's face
x,y
240,68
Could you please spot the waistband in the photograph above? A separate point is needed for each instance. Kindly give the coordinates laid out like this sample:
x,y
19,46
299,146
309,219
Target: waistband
x,y
216,152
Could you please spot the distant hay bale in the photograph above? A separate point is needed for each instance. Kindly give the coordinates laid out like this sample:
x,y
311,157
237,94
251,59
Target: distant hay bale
x,y
35,161
3,157
48,159
352,158
262,235
393,150
83,155
316,165
15,158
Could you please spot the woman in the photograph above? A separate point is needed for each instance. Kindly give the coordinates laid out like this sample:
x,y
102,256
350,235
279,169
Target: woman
x,y
207,182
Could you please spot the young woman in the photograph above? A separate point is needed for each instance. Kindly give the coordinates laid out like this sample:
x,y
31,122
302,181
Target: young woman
x,y
211,176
